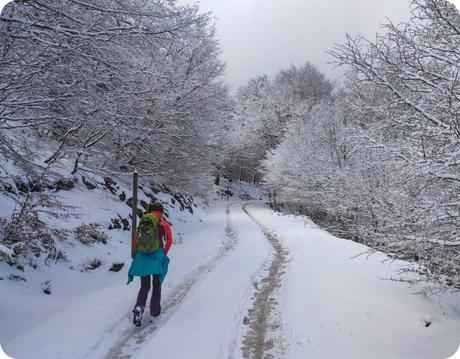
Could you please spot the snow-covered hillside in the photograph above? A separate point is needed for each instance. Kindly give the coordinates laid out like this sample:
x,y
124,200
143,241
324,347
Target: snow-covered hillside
x,y
91,254
243,282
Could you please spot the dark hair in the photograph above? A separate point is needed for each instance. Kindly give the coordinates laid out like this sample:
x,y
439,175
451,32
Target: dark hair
x,y
155,206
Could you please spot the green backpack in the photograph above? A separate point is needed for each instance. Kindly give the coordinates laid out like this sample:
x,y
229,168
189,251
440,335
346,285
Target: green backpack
x,y
148,238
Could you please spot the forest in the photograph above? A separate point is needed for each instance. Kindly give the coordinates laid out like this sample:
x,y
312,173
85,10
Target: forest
x,y
108,87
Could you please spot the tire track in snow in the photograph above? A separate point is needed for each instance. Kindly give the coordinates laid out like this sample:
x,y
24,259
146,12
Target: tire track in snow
x,y
133,340
263,319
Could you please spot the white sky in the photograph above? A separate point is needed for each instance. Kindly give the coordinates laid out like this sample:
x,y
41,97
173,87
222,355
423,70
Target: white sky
x,y
263,36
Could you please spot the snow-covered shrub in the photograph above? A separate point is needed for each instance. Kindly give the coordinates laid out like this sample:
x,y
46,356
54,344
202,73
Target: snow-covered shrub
x,y
6,254
28,238
65,184
90,233
93,264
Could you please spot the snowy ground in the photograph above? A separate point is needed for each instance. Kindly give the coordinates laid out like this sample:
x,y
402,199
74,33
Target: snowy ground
x,y
243,282
337,305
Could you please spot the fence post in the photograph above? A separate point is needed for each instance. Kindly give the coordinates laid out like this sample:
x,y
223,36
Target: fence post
x,y
134,215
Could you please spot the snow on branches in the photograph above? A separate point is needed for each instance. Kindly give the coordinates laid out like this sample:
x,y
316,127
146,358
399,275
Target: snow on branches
x,y
114,85
378,159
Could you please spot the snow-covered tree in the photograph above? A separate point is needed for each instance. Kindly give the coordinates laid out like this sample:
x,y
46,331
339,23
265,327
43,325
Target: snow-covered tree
x,y
115,85
380,162
414,67
264,107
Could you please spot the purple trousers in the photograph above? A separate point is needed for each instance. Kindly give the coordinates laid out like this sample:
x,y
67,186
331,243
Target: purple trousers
x,y
155,307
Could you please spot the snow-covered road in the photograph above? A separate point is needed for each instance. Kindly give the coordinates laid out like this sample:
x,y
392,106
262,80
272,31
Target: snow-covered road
x,y
251,283
324,302
202,313
207,324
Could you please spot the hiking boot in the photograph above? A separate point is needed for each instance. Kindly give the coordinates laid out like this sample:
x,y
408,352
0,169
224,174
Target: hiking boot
x,y
137,318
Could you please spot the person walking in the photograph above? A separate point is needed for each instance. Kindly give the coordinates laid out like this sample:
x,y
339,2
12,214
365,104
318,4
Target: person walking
x,y
152,244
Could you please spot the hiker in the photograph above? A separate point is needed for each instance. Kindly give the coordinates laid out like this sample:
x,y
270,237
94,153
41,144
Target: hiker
x,y
150,261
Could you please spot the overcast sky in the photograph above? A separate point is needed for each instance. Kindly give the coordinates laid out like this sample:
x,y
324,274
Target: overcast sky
x,y
262,36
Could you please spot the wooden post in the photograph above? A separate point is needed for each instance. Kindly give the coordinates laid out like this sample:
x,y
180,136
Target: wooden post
x,y
274,200
134,215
